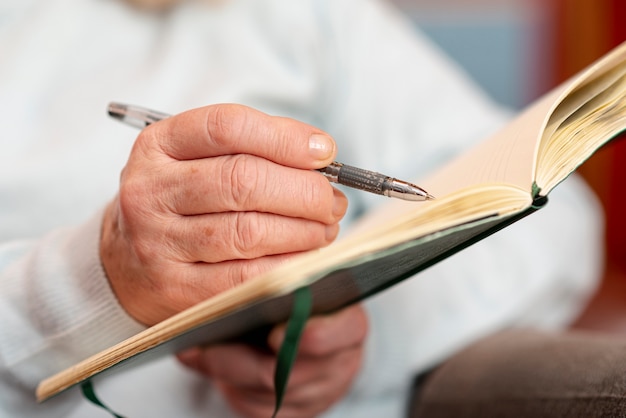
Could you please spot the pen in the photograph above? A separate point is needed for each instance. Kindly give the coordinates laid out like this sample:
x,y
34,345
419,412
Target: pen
x,y
347,175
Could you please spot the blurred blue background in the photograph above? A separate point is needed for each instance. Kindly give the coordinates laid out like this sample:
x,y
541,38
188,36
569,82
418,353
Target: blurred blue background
x,y
505,45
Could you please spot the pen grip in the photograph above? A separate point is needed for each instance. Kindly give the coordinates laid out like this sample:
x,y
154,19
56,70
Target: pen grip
x,y
361,179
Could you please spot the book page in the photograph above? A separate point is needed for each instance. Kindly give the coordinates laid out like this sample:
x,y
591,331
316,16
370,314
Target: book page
x,y
507,157
512,155
582,133
590,113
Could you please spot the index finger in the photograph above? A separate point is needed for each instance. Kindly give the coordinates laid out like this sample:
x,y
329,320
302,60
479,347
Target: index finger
x,y
226,129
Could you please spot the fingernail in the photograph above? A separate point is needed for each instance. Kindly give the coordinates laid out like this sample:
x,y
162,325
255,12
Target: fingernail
x,y
340,205
321,147
189,357
331,232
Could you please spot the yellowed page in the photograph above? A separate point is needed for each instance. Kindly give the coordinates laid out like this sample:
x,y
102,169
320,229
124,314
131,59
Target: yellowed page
x,y
582,133
507,157
510,155
593,112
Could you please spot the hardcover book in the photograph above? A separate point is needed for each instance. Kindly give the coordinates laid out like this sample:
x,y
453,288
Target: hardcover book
x,y
501,180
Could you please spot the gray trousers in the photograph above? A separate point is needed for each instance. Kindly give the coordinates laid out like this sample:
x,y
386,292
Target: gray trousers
x,y
525,373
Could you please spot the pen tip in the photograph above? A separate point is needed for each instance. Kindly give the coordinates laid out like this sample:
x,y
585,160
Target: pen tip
x,y
407,191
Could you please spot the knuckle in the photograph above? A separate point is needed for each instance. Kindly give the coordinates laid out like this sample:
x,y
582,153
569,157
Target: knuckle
x,y
235,273
241,177
224,123
152,140
317,196
284,133
131,194
315,341
187,294
144,139
141,222
145,250
140,186
247,234
240,271
354,362
266,374
249,270
361,324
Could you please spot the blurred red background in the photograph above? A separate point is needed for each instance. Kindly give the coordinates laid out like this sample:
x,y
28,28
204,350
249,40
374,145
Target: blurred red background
x,y
585,30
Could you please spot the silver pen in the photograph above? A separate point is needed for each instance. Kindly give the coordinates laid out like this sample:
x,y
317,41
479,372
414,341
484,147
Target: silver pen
x,y
347,175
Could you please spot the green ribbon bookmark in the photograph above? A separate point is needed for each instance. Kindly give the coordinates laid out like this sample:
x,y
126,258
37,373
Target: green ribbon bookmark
x,y
90,393
302,304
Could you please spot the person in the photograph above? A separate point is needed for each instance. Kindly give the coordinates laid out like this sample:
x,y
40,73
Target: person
x,y
214,195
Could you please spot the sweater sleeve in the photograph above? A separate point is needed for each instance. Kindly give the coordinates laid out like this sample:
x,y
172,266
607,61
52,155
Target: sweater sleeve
x,y
56,308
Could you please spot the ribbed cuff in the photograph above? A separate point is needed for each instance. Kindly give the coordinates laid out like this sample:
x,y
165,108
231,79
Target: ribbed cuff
x,y
98,320
67,309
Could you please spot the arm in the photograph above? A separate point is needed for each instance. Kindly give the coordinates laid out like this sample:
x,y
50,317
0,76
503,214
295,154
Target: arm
x,y
56,308
56,299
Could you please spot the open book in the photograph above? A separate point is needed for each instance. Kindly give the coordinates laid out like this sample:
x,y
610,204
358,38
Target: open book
x,y
503,179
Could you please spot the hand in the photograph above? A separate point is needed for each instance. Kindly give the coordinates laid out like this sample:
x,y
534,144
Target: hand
x,y
329,357
211,198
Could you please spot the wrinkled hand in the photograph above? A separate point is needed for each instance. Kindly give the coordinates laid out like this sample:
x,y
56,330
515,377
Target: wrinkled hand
x,y
210,198
329,357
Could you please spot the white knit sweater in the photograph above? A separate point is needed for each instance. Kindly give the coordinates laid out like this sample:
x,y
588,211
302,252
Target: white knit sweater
x,y
352,67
